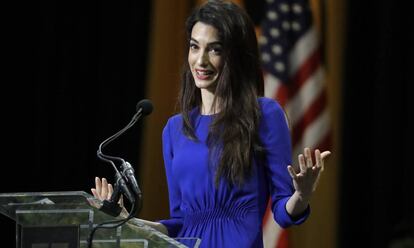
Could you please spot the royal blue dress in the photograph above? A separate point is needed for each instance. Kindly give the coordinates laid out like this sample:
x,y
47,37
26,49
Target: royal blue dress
x,y
227,216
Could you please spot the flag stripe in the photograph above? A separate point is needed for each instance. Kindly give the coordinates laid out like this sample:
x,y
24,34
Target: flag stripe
x,y
302,50
313,133
272,85
267,214
271,231
282,95
283,240
306,70
315,109
303,98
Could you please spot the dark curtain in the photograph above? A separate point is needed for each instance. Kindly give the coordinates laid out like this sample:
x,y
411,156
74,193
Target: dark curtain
x,y
377,170
81,69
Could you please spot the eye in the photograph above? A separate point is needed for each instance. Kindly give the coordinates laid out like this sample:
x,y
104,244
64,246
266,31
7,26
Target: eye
x,y
193,46
216,50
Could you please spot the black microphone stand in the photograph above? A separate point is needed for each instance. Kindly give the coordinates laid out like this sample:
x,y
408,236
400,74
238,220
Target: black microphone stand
x,y
125,182
124,179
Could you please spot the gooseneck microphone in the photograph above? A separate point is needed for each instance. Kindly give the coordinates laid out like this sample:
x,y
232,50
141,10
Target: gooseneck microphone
x,y
125,181
125,178
145,106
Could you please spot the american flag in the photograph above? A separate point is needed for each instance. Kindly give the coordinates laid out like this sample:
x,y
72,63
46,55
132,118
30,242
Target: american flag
x,y
291,55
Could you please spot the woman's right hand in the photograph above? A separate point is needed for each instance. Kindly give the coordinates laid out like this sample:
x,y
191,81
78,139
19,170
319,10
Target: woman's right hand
x,y
103,190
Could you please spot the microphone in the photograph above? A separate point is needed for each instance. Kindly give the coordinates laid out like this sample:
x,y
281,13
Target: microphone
x,y
145,106
125,179
128,171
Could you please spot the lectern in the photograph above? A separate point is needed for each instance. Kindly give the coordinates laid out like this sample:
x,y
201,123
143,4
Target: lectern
x,y
65,220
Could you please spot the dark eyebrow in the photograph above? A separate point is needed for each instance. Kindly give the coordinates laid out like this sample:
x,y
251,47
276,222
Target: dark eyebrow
x,y
209,44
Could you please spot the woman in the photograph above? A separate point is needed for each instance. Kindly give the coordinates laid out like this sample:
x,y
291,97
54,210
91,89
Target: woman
x,y
229,149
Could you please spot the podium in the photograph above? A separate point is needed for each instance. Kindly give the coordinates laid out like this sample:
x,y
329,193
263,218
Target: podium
x,y
65,220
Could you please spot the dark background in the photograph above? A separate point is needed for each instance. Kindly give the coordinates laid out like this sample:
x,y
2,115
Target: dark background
x,y
376,202
77,72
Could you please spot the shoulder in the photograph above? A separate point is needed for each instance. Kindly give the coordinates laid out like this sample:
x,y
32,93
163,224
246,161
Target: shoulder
x,y
272,111
175,118
171,130
269,106
173,122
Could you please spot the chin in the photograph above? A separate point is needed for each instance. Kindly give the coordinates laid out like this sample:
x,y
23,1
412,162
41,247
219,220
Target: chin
x,y
204,84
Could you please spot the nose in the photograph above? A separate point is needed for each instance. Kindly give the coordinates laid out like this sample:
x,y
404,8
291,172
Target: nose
x,y
202,59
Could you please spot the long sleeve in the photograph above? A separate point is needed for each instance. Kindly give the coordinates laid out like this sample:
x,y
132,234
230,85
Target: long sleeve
x,y
275,137
174,224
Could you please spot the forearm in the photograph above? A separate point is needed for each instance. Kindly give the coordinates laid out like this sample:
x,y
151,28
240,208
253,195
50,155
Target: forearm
x,y
297,204
156,225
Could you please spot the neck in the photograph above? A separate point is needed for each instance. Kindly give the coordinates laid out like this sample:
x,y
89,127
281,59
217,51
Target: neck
x,y
207,98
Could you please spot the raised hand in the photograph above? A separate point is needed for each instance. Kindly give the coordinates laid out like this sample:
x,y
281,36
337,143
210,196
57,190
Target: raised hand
x,y
103,190
306,180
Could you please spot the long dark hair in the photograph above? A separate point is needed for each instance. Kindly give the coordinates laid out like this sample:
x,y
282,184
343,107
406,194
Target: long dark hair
x,y
233,134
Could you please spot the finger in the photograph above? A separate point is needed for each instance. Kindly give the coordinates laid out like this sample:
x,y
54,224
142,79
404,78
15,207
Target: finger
x,y
308,157
292,172
316,170
318,159
325,154
94,192
302,164
110,191
98,187
104,190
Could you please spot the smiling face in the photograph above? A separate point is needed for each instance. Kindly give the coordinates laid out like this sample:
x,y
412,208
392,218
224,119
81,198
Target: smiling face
x,y
205,56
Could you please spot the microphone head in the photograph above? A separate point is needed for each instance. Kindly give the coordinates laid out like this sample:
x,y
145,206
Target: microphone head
x,y
146,106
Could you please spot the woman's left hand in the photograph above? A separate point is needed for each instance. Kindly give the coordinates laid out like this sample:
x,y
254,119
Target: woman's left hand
x,y
306,180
